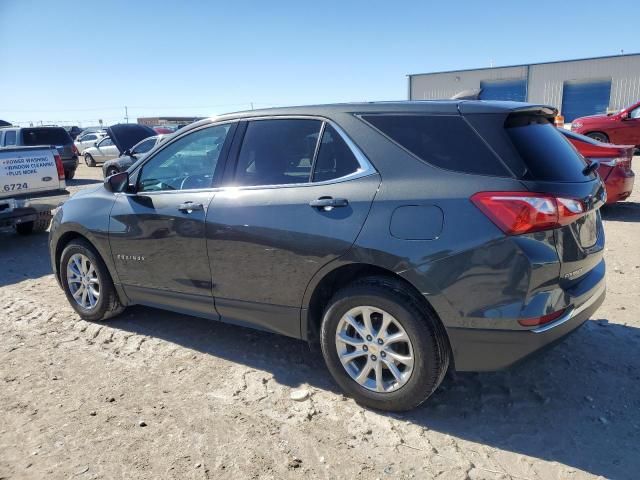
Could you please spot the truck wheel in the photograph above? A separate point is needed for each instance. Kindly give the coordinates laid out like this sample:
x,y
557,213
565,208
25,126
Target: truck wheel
x,y
88,159
39,225
87,282
69,174
382,347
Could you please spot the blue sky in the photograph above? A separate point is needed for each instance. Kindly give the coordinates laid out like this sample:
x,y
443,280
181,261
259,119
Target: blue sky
x,y
78,61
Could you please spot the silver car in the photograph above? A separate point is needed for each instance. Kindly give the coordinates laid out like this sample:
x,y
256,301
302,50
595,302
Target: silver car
x,y
103,150
87,140
129,157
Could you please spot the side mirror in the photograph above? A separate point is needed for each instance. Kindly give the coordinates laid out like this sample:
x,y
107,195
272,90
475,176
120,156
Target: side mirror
x,y
95,144
624,116
117,183
126,153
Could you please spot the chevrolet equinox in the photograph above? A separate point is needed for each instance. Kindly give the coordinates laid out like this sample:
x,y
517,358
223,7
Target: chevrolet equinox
x,y
405,238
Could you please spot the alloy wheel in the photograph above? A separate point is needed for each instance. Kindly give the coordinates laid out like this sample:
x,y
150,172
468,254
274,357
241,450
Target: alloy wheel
x,y
83,281
374,349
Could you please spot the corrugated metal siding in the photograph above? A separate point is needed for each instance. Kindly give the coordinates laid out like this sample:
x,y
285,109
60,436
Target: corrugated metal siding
x,y
445,85
545,80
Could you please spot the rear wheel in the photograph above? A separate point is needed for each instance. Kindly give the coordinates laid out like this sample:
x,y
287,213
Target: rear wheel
x,y
598,137
39,225
69,174
382,347
87,282
88,159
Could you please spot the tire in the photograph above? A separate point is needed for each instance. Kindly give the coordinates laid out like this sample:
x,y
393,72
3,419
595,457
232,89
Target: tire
x,y
427,347
108,304
88,159
69,174
39,225
112,171
599,137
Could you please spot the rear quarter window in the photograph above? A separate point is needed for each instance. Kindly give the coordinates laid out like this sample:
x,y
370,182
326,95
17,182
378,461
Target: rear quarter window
x,y
444,141
547,154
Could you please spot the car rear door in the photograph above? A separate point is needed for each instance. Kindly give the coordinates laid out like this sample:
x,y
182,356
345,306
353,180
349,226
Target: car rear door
x,y
301,194
157,233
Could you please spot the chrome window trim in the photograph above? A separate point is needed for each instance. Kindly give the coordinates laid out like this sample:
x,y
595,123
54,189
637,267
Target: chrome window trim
x,y
365,169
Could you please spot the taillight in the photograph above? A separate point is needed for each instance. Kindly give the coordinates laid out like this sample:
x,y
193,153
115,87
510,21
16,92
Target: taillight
x,y
516,213
75,150
624,162
59,167
537,321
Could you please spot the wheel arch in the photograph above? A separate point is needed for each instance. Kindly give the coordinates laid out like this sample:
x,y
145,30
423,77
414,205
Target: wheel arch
x,y
330,282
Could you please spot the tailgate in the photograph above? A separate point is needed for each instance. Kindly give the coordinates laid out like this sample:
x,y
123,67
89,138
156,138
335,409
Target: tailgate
x,y
27,171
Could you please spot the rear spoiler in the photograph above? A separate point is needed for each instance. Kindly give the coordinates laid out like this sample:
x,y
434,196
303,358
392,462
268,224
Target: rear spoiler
x,y
465,108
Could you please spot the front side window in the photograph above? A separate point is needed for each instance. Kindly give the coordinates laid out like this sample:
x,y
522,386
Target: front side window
x,y
277,152
635,113
10,137
188,163
335,159
107,142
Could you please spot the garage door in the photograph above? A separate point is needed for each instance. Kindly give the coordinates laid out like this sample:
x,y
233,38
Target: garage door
x,y
514,90
580,98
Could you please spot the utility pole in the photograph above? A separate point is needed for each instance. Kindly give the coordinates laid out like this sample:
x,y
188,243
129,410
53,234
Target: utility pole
x,y
126,115
251,105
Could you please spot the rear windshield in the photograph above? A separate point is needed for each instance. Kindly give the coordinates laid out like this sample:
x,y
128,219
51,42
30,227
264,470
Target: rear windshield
x,y
45,136
446,141
546,153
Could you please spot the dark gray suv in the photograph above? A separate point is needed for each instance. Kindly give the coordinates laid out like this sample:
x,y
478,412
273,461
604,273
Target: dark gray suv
x,y
406,238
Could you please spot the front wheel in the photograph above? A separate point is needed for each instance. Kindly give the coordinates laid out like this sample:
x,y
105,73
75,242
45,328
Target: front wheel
x,y
382,347
87,282
598,137
88,159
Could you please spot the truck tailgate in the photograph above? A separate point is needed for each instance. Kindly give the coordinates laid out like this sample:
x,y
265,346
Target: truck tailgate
x,y
28,170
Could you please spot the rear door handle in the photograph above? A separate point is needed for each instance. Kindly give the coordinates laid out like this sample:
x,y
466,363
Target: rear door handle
x,y
329,203
188,207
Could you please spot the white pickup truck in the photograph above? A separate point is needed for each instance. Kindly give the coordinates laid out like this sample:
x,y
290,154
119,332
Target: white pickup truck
x,y
31,185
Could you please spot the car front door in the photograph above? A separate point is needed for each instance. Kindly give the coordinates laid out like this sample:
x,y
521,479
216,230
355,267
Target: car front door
x,y
301,194
629,128
105,150
157,234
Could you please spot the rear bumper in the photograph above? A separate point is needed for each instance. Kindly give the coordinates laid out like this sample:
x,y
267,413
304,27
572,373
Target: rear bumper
x,y
70,163
488,350
20,210
619,184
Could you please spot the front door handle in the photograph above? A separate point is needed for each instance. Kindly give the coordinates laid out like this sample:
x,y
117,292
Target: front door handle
x,y
329,203
188,207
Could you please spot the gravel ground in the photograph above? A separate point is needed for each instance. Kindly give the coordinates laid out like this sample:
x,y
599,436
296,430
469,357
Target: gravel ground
x,y
160,395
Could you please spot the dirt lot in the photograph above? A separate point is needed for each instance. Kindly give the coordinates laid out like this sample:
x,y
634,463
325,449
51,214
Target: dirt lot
x,y
160,395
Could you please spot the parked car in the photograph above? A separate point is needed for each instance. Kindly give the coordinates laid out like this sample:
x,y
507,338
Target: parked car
x,y
32,184
73,131
111,146
614,163
44,136
619,128
163,130
86,140
366,227
129,157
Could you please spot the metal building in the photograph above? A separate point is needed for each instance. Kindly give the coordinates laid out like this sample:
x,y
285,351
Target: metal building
x,y
575,87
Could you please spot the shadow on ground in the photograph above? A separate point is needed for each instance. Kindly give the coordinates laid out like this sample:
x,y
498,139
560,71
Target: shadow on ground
x,y
577,404
23,257
622,212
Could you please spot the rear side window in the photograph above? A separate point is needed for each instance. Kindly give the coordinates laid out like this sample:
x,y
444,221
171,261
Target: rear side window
x,y
10,137
277,152
335,159
444,141
45,136
546,153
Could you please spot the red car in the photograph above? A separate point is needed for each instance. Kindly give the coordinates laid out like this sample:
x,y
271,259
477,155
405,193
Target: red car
x,y
615,163
619,128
